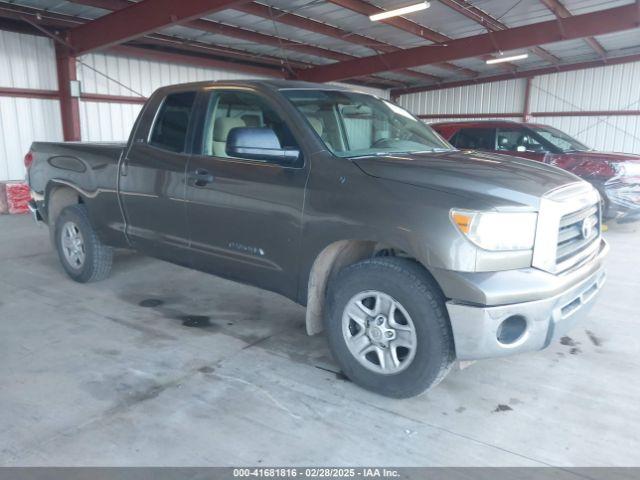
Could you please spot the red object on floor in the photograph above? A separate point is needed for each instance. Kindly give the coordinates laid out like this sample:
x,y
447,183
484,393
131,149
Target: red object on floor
x,y
18,196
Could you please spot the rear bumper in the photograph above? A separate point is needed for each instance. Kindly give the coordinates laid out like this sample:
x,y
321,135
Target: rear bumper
x,y
33,208
476,328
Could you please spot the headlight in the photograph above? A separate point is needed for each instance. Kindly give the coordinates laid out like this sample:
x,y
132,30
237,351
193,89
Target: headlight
x,y
629,169
498,231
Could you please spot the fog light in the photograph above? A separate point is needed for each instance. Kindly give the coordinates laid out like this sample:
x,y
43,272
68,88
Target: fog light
x,y
511,329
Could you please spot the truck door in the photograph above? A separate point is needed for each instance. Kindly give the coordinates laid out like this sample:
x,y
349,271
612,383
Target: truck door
x,y
244,215
152,178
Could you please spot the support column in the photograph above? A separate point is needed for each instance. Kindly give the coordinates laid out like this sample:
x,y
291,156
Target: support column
x,y
69,105
526,112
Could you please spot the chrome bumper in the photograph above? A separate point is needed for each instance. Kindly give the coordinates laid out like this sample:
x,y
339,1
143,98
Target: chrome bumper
x,y
476,328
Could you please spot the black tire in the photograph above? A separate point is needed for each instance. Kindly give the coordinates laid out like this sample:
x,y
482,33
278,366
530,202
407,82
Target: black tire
x,y
97,256
412,287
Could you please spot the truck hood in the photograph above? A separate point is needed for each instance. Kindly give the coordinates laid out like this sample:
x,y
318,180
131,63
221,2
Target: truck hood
x,y
500,180
605,156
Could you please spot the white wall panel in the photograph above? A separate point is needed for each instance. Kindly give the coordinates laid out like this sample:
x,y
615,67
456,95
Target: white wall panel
x,y
107,122
118,75
609,134
495,97
613,87
126,76
23,121
27,61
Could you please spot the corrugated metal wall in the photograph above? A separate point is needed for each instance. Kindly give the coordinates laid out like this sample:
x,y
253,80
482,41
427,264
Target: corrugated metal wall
x,y
27,62
101,121
123,76
496,97
613,87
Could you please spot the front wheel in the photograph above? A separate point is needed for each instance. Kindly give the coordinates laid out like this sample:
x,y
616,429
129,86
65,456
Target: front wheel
x,y
388,327
83,256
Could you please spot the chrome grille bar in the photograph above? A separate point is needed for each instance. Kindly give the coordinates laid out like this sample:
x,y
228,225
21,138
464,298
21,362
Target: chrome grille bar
x,y
568,230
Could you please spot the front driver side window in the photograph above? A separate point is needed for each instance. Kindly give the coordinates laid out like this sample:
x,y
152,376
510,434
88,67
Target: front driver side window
x,y
229,109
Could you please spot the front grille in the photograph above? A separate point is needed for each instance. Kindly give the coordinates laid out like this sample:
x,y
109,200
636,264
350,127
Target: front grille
x,y
578,233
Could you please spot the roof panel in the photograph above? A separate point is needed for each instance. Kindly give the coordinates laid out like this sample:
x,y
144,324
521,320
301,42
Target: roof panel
x,y
620,40
437,17
268,27
513,13
64,7
346,19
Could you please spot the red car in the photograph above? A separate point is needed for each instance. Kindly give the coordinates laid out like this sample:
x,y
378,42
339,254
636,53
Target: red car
x,y
615,175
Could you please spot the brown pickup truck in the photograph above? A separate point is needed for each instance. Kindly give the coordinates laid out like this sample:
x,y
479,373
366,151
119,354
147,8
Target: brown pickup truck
x,y
407,252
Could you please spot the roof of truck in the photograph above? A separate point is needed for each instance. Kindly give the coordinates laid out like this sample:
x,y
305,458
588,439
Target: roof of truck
x,y
483,123
273,84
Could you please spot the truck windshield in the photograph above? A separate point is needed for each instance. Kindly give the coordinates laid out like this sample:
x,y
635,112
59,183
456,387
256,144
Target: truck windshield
x,y
560,140
355,124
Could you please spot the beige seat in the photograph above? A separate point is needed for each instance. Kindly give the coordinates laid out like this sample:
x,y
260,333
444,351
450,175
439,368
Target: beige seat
x,y
221,130
317,125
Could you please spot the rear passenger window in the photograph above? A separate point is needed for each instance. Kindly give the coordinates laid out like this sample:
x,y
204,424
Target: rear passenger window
x,y
170,128
475,138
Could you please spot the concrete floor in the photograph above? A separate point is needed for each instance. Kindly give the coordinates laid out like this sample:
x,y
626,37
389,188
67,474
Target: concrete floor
x,y
88,376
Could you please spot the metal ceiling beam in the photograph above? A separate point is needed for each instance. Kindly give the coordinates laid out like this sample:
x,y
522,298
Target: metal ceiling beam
x,y
139,19
401,23
490,23
179,49
569,67
61,21
243,34
560,11
600,22
163,56
297,21
264,39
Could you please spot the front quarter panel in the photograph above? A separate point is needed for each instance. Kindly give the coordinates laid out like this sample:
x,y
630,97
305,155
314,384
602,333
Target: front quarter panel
x,y
344,203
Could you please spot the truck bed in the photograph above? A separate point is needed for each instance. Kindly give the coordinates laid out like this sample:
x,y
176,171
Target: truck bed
x,y
89,165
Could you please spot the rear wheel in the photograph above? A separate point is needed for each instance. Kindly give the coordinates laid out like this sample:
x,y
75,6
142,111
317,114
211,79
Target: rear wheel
x,y
83,256
388,327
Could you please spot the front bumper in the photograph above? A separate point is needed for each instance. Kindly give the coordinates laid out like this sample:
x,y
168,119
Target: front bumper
x,y
623,198
476,328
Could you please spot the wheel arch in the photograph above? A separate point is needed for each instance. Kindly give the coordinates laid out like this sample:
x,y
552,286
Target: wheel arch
x,y
58,196
330,261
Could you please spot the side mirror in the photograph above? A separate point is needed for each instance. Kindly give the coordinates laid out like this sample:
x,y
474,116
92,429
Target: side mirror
x,y
259,144
521,148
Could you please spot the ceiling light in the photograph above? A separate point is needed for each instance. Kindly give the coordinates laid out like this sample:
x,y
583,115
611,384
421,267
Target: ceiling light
x,y
399,11
507,59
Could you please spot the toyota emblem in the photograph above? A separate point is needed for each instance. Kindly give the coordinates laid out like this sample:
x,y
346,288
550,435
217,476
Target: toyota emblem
x,y
587,227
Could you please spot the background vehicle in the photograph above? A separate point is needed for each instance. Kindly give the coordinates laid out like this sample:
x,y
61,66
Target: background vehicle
x,y
615,175
406,251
